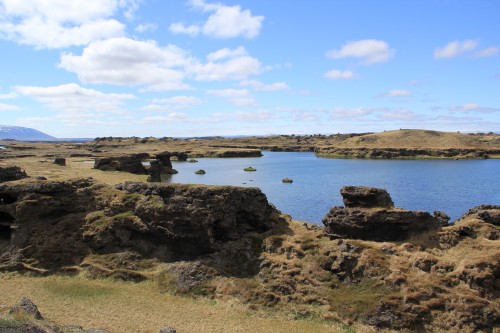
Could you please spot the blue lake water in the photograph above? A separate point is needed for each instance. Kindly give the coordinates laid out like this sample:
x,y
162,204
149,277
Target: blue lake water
x,y
447,185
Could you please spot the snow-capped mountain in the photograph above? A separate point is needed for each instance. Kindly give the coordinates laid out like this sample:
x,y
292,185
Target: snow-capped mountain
x,y
23,134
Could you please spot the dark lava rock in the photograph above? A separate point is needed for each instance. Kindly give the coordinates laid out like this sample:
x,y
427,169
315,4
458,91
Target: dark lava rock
x,y
60,223
168,329
26,307
129,163
154,171
11,173
365,197
442,217
60,161
369,215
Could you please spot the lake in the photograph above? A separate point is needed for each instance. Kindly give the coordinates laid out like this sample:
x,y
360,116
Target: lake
x,y
452,186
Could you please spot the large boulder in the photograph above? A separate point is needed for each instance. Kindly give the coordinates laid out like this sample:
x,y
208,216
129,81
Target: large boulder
x,y
365,197
128,163
370,215
11,173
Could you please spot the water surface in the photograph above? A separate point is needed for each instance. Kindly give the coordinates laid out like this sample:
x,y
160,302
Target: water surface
x,y
447,185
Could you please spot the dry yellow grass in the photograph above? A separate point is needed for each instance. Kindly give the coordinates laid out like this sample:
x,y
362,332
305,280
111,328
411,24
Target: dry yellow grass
x,y
75,168
129,307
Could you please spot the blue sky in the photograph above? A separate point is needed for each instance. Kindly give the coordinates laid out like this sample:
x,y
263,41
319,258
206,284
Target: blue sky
x,y
87,68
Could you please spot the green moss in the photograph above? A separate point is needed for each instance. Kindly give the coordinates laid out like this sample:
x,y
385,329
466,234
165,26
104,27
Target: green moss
x,y
131,198
250,169
123,216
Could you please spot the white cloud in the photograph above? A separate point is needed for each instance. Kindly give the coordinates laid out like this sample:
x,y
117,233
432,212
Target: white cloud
x,y
75,100
61,23
455,48
259,86
336,74
472,107
124,61
8,107
487,52
371,51
237,65
226,53
173,103
10,95
230,93
146,27
223,22
397,93
237,97
179,28
172,117
180,102
257,116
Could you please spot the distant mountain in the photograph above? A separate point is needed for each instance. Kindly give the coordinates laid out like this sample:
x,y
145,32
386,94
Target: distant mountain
x,y
23,134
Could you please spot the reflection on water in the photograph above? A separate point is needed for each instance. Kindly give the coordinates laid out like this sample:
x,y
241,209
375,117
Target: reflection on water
x,y
447,185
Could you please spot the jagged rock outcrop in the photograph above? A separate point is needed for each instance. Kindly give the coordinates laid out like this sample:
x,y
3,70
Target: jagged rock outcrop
x,y
11,173
60,161
369,214
55,224
128,163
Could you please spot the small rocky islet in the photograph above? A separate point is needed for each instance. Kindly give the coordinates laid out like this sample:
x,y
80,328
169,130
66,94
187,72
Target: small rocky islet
x,y
411,261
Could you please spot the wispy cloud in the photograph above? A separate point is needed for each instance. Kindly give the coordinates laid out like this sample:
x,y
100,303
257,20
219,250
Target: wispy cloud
x,y
397,93
472,107
487,52
336,74
457,48
237,97
371,51
259,86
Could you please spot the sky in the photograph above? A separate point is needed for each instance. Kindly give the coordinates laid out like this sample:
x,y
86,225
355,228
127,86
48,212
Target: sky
x,y
183,68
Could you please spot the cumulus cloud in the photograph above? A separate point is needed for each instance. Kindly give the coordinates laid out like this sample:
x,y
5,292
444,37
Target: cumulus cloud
x,y
124,61
336,74
223,22
237,97
75,100
472,107
226,64
259,86
454,49
61,23
371,51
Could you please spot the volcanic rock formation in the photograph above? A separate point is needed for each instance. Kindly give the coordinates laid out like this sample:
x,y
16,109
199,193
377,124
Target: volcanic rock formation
x,y
369,214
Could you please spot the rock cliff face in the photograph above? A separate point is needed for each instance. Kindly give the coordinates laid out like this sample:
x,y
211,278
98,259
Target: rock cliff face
x,y
369,214
56,224
406,153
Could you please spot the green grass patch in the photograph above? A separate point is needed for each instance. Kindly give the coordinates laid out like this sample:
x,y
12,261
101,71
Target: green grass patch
x,y
78,289
250,169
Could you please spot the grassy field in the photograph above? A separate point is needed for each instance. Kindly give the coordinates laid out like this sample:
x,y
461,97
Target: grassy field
x,y
141,307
